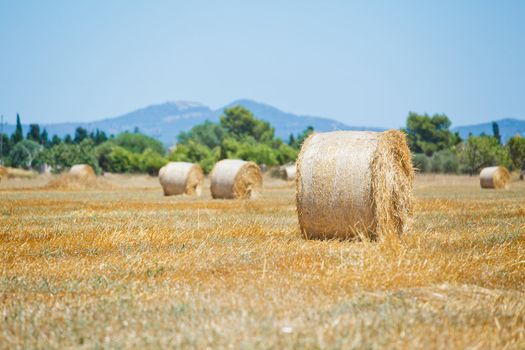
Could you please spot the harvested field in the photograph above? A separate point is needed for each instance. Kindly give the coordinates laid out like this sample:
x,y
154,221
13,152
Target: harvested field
x,y
128,267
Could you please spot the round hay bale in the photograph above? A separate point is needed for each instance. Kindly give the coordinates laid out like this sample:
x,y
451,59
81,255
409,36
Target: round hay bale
x,y
181,178
82,171
235,178
289,172
354,184
3,173
494,177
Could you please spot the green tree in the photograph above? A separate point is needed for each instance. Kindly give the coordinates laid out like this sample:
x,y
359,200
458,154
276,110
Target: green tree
x,y
80,135
6,145
18,135
421,162
444,161
55,140
286,154
120,160
44,138
481,151
239,135
303,136
240,122
24,154
98,136
430,134
20,157
195,152
138,143
151,162
516,147
65,155
259,153
68,139
291,140
208,134
34,133
103,155
495,132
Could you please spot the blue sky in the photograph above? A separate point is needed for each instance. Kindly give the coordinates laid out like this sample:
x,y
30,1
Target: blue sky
x,y
363,63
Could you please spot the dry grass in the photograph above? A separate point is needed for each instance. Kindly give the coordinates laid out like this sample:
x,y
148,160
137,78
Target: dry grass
x,y
131,268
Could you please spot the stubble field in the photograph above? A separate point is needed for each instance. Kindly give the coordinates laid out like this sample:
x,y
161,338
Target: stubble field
x,y
126,267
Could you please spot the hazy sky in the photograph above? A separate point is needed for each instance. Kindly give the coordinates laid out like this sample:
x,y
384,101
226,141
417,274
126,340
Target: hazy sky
x,y
364,63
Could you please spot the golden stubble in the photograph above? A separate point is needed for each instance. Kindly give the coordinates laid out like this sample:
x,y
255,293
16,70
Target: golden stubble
x,y
128,267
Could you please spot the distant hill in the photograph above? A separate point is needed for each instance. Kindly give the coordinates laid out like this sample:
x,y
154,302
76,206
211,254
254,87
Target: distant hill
x,y
289,123
165,121
507,128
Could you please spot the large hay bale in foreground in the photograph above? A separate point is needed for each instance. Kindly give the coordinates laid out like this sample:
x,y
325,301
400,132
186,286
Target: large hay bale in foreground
x,y
3,173
494,177
235,178
83,171
354,184
290,172
181,178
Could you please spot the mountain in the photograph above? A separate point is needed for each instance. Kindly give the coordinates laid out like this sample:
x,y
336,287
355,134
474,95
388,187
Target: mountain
x,y
507,128
165,121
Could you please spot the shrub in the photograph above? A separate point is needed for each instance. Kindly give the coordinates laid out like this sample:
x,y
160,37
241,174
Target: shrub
x,y
445,161
138,143
151,162
516,147
421,162
481,151
64,156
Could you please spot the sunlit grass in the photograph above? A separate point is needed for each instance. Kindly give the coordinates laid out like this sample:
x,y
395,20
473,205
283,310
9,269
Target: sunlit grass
x,y
132,268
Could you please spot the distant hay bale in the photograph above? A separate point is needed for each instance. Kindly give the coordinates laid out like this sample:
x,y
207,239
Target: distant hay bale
x,y
181,178
235,178
66,181
354,184
16,173
79,177
494,177
3,173
289,172
82,171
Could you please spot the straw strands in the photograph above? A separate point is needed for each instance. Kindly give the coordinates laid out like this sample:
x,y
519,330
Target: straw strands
x,y
181,178
235,179
494,177
354,184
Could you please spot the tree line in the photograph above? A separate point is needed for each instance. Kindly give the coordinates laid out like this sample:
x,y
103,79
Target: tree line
x,y
437,149
240,134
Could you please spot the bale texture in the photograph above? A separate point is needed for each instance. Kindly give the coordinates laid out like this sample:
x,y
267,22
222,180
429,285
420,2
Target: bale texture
x,y
354,184
83,171
181,178
494,177
290,172
235,179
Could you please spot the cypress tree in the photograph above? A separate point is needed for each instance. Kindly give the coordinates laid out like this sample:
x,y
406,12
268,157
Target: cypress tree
x,y
18,134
